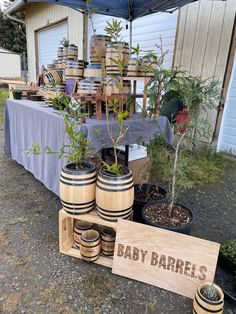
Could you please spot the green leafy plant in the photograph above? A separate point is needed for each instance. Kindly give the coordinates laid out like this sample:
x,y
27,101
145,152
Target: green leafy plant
x,y
113,30
61,102
74,149
64,42
228,250
210,293
136,50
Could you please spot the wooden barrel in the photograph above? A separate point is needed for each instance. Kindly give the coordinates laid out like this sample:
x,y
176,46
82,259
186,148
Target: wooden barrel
x,y
72,52
203,306
53,76
79,227
116,51
74,69
112,86
89,86
60,88
60,64
50,67
93,70
77,188
60,52
64,52
64,76
146,68
133,67
90,245
98,44
114,195
108,241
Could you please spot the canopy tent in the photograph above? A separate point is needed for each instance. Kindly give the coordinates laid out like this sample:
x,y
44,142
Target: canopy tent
x,y
126,9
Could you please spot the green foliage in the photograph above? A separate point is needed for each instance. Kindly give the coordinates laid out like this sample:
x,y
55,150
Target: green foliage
x,y
114,29
60,102
3,96
13,34
136,50
64,42
228,250
113,168
210,293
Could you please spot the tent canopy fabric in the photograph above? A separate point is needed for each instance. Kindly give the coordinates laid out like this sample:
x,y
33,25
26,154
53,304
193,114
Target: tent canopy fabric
x,y
126,9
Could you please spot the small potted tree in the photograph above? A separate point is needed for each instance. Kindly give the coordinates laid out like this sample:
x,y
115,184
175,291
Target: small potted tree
x,y
78,176
209,298
198,96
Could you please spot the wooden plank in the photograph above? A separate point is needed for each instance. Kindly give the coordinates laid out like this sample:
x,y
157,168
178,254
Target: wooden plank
x,y
165,259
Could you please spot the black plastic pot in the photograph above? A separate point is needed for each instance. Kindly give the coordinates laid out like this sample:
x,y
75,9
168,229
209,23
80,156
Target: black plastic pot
x,y
138,204
186,229
17,95
226,263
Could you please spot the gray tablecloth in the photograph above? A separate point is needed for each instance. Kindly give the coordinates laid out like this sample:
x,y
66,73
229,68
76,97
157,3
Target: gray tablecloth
x,y
28,123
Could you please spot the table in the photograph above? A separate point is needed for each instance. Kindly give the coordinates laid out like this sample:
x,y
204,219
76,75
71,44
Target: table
x,y
28,123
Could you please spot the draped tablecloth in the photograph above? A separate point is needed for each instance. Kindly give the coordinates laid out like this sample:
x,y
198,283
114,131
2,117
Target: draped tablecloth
x,y
28,123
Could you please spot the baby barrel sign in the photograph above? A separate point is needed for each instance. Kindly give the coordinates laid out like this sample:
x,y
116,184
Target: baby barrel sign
x,y
169,260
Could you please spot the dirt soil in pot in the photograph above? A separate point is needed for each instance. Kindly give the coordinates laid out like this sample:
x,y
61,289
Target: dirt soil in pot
x,y
153,194
159,214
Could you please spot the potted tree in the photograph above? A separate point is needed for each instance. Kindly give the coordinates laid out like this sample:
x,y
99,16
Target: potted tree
x,y
78,176
209,298
198,95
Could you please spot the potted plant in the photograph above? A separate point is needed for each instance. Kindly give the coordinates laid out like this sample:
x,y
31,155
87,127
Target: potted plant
x,y
198,95
78,176
134,63
209,298
227,255
60,102
17,94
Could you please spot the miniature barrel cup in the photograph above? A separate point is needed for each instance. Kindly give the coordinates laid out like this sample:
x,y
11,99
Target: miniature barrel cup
x,y
90,245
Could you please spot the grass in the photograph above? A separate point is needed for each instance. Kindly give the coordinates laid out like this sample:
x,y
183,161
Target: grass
x,y
3,96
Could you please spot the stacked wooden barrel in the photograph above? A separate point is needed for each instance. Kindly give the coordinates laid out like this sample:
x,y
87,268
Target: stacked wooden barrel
x,y
98,44
79,227
108,236
74,69
92,81
117,51
113,86
133,67
90,245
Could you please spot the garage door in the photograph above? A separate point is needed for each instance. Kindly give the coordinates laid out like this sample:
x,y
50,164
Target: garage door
x,y
227,136
48,42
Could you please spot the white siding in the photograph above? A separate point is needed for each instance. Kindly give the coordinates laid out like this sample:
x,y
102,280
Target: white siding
x,y
48,43
227,136
10,65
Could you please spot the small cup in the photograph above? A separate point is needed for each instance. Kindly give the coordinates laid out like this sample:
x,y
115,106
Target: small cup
x,y
108,241
90,245
79,227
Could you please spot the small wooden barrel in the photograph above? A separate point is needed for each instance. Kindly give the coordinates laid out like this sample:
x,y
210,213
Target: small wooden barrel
x,y
114,195
64,52
60,64
72,52
90,245
113,88
77,188
203,306
79,227
74,69
116,51
133,67
146,68
60,88
93,70
98,45
50,67
108,241
53,76
89,86
60,52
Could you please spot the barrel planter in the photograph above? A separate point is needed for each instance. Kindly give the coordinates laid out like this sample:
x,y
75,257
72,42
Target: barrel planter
x,y
89,86
60,53
93,70
90,245
185,229
74,69
146,68
79,227
98,44
114,195
133,67
17,94
116,51
202,305
72,52
139,203
50,67
77,188
64,52
53,76
112,88
108,236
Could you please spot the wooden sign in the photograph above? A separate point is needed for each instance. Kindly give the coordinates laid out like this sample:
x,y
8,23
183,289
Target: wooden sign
x,y
166,259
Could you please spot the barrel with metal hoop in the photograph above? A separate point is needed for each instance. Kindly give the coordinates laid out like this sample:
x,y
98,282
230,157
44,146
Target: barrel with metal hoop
x,y
147,67
114,194
79,227
90,245
74,69
133,67
98,45
117,51
72,52
77,187
53,76
60,52
89,86
93,70
108,236
113,86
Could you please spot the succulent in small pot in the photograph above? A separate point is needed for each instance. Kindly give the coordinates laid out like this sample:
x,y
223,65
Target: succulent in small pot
x,y
209,298
17,94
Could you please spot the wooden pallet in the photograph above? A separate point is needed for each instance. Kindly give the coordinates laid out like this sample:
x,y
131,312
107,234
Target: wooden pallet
x,y
66,234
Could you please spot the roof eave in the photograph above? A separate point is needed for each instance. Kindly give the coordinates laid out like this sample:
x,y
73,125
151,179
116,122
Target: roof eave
x,y
14,6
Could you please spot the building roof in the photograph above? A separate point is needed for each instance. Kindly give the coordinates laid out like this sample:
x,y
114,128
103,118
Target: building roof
x,y
4,50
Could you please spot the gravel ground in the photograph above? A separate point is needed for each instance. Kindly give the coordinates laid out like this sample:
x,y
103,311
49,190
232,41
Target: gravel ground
x,y
35,278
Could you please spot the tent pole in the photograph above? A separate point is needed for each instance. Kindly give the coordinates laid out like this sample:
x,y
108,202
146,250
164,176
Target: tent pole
x,y
130,35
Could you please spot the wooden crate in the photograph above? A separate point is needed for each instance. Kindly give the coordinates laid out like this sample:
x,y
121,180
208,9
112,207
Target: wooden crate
x,y
66,237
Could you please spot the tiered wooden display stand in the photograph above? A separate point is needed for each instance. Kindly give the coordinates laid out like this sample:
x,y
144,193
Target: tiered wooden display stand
x,y
66,234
